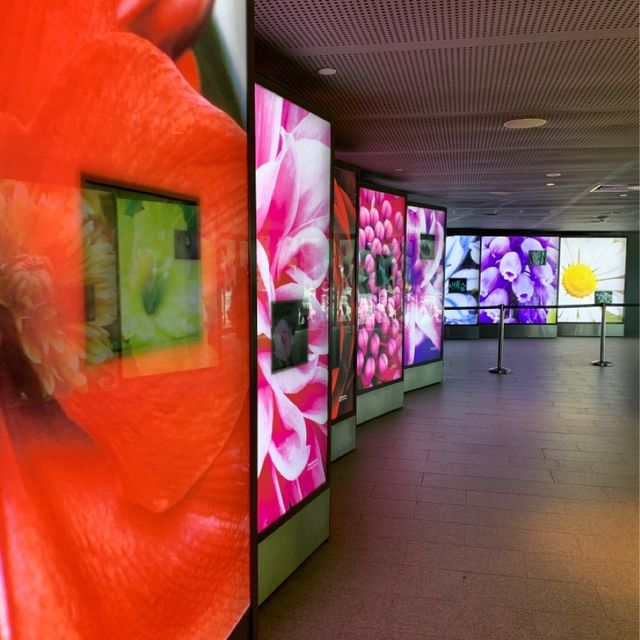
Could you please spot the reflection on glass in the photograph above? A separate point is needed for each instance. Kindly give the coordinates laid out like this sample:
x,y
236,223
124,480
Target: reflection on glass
x,y
589,266
424,275
462,278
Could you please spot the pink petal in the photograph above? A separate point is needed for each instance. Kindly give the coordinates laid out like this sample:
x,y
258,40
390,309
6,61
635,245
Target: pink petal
x,y
305,257
268,109
265,422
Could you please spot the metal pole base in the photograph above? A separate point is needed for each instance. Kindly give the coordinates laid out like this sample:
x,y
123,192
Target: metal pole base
x,y
500,370
602,363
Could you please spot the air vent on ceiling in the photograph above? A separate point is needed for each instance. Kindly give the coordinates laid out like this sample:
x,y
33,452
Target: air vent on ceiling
x,y
613,188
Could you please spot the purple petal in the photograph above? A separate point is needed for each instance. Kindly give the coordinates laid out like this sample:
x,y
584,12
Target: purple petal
x,y
510,266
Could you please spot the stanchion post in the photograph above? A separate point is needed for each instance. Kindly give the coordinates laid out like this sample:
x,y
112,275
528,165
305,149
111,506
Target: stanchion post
x,y
500,369
603,332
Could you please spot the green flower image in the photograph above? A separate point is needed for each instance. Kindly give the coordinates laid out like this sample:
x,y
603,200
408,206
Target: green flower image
x,y
159,273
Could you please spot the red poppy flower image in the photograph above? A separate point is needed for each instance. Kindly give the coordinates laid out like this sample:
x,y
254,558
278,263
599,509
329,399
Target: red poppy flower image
x,y
124,482
344,311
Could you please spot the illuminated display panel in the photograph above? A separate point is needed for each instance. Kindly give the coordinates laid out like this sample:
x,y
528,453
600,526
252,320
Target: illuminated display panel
x,y
343,293
424,285
591,270
124,322
462,279
293,204
522,271
381,234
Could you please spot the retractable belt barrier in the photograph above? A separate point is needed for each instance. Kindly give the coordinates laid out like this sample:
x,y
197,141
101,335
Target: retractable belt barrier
x,y
501,370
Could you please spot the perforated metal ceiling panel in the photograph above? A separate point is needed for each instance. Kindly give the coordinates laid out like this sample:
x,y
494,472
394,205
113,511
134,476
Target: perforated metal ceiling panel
x,y
424,87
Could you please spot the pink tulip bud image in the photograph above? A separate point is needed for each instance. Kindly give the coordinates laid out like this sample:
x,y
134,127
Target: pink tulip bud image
x,y
376,247
399,222
369,234
379,230
388,230
368,371
374,344
362,239
395,328
364,217
391,347
386,210
382,297
363,339
383,364
386,251
369,263
385,325
359,362
370,323
374,217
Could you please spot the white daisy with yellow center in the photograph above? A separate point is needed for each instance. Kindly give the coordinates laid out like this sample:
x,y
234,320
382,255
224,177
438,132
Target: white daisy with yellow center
x,y
587,266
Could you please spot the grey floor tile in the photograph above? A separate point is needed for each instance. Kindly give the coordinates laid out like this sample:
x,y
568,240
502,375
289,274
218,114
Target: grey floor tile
x,y
487,509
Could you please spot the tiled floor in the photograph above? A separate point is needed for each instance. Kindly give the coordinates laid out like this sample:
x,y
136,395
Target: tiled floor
x,y
488,508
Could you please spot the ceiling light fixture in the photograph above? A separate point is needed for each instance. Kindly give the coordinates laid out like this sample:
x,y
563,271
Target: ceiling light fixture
x,y
554,174
327,71
551,184
398,170
525,123
499,193
624,195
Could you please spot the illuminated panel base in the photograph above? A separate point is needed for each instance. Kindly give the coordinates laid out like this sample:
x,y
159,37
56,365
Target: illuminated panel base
x,y
461,332
575,329
281,553
422,376
343,437
380,401
520,331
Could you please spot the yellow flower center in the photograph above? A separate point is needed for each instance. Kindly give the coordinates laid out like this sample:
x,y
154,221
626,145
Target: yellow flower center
x,y
579,280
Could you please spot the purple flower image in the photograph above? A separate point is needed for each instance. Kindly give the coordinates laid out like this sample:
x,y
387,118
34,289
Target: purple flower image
x,y
424,275
462,277
380,288
519,270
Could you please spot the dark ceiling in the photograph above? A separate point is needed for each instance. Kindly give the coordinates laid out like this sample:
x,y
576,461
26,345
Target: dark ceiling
x,y
423,88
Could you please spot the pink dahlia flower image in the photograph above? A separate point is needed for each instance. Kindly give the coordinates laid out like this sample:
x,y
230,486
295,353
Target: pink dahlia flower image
x,y
293,188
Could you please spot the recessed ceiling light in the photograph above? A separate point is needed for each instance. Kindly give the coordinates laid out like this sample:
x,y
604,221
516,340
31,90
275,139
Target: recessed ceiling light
x,y
499,193
398,170
554,174
525,123
624,195
551,184
327,71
